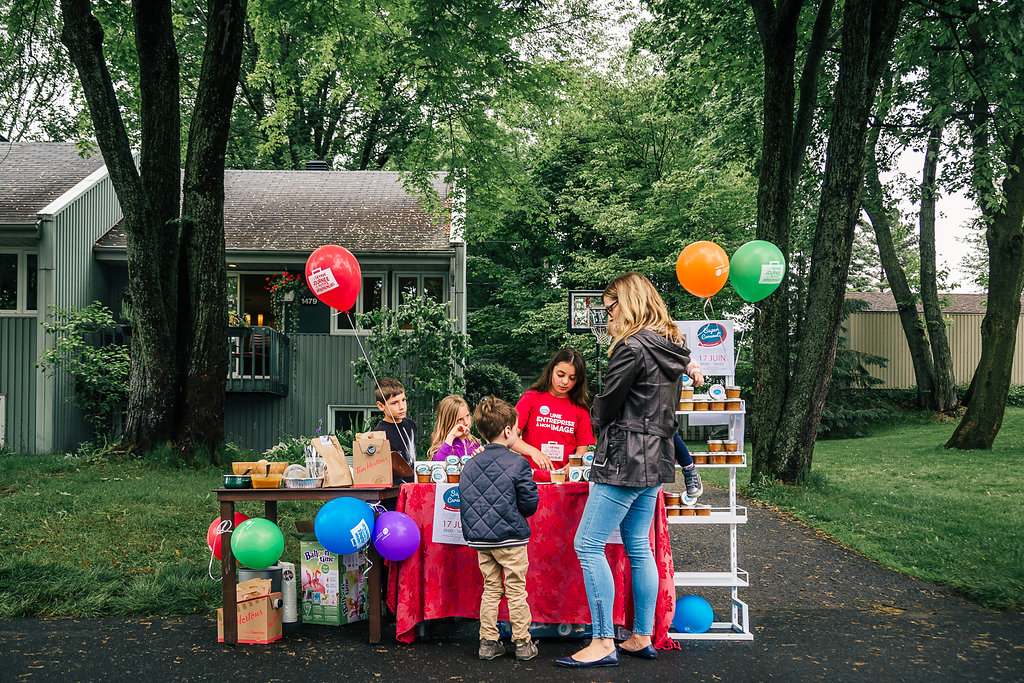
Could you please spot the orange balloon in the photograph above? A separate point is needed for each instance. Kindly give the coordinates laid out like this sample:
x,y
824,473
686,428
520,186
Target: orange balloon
x,y
702,269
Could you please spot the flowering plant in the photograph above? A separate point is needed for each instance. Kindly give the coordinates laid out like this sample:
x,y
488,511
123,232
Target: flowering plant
x,y
283,288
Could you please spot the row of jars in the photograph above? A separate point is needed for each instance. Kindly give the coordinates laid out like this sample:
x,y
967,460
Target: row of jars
x,y
450,470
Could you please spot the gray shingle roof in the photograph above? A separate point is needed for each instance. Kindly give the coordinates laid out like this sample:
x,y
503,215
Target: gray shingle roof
x,y
33,174
302,210
882,302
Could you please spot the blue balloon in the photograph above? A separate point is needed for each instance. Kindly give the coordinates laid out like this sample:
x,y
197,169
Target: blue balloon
x,y
693,615
344,525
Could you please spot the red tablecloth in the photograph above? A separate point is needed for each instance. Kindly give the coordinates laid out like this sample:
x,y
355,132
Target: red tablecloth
x,y
443,580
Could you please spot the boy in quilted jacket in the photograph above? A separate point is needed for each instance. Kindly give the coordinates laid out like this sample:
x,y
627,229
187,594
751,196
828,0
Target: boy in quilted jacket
x,y
497,494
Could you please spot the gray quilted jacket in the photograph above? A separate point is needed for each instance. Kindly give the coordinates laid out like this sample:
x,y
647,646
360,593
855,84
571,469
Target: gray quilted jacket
x,y
496,495
634,419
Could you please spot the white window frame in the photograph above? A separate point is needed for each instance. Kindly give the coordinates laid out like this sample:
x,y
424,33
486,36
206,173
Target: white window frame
x,y
344,331
332,409
395,293
21,286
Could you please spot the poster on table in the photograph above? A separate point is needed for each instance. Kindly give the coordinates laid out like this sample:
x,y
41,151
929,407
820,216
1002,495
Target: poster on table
x,y
711,345
447,522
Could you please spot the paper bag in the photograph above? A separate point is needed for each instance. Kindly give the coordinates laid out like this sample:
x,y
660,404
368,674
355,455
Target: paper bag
x,y
336,471
252,588
371,460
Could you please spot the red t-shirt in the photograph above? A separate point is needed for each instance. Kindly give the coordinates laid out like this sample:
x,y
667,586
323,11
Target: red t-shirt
x,y
549,422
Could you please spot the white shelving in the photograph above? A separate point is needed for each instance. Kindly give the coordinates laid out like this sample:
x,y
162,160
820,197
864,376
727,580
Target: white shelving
x,y
738,626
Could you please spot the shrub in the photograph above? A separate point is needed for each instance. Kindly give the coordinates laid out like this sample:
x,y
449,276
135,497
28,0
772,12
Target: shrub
x,y
492,379
99,371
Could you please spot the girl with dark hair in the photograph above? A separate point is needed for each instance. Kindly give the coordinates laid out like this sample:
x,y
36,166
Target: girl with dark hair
x,y
554,415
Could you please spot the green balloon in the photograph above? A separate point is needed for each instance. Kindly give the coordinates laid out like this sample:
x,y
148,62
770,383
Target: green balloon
x,y
257,543
756,270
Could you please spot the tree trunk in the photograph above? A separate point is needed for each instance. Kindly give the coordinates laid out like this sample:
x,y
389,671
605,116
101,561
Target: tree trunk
x,y
777,29
913,327
867,35
945,383
203,303
991,382
154,379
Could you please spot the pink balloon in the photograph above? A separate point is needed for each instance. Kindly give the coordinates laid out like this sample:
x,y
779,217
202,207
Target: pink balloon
x,y
333,275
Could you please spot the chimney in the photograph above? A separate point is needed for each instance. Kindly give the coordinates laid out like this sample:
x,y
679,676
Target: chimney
x,y
317,165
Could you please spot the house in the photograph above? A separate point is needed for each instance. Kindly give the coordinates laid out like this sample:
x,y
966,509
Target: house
x,y
877,330
280,383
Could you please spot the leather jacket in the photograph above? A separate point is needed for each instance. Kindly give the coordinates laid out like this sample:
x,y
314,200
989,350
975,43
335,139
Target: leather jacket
x,y
634,418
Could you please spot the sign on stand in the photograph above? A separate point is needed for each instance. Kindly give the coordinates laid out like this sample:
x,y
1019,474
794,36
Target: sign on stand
x,y
711,344
447,521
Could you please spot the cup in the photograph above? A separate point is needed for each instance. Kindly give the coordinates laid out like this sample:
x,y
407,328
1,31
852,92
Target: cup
x,y
731,445
437,473
732,392
423,472
558,476
715,446
453,472
687,392
575,461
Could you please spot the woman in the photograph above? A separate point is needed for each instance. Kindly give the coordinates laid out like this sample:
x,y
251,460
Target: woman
x,y
554,415
635,419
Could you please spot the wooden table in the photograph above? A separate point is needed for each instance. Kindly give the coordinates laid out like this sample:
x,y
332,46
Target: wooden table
x,y
227,499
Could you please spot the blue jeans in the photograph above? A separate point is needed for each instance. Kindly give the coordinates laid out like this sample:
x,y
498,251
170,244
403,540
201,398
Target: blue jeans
x,y
631,510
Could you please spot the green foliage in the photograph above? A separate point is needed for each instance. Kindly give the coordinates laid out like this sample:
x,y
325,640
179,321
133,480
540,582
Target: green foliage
x,y
417,344
492,379
99,371
853,404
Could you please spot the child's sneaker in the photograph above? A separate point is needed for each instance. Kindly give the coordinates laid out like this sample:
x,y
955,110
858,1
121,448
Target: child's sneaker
x,y
694,486
489,649
526,649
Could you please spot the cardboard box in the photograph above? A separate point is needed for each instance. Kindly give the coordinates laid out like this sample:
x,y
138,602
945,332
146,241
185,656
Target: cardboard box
x,y
259,621
371,461
334,590
336,469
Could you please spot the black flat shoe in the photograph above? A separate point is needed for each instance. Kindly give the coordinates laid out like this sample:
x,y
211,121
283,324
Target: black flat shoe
x,y
610,660
643,653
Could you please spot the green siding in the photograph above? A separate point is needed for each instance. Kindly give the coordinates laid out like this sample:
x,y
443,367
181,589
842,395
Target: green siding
x,y
322,376
18,380
76,281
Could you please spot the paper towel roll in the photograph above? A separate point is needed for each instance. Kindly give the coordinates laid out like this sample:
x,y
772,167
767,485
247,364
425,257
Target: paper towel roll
x,y
289,593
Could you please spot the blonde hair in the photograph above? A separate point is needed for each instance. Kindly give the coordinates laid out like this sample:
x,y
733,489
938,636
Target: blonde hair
x,y
640,307
447,415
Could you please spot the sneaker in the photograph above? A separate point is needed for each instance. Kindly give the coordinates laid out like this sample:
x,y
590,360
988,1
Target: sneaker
x,y
489,649
694,486
526,649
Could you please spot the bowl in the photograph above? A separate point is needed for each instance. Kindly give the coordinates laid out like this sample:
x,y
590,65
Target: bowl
x,y
272,481
237,481
303,482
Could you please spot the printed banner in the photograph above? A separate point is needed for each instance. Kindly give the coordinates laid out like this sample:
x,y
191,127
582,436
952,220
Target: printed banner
x,y
447,522
711,345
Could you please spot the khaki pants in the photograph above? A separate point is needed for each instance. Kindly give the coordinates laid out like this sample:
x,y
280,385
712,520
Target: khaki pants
x,y
515,562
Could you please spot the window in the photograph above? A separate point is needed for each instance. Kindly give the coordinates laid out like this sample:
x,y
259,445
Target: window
x,y
411,286
19,282
371,297
345,418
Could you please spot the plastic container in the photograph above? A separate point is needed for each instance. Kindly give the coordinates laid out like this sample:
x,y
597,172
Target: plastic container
x,y
271,481
718,459
673,511
731,445
686,404
558,476
687,392
715,446
700,402
699,459
672,498
453,472
423,473
733,459
732,392
716,405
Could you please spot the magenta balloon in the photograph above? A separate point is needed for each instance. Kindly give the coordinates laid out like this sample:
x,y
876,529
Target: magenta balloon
x,y
396,536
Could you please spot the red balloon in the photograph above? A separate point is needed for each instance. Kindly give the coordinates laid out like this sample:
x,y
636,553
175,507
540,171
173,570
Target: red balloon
x,y
702,268
213,538
333,274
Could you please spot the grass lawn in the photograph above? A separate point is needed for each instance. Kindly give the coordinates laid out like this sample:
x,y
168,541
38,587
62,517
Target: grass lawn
x,y
86,539
898,497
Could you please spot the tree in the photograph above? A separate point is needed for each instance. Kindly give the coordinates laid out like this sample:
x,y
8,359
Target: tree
x,y
991,40
789,397
176,268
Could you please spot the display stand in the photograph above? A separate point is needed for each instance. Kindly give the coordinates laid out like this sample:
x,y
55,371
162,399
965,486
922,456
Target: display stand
x,y
738,627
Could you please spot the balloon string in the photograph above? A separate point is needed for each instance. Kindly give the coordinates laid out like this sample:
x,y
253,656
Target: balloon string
x,y
369,565
707,303
223,528
743,333
357,328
